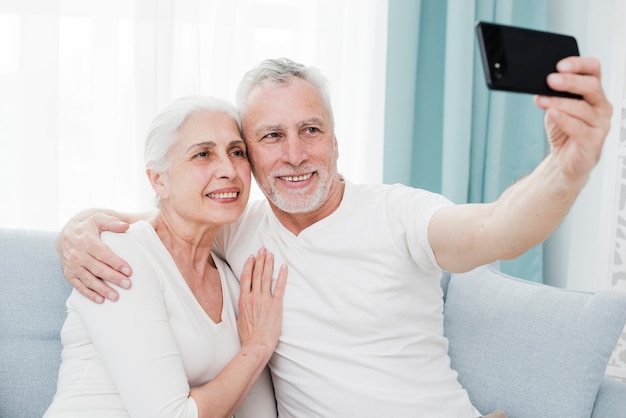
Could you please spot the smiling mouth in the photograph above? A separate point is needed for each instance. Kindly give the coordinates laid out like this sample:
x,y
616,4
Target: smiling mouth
x,y
295,179
229,195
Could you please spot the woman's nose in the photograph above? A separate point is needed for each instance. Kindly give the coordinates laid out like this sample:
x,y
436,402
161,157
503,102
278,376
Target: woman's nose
x,y
225,168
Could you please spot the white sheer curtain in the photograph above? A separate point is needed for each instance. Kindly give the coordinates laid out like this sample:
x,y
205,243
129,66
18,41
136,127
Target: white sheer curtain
x,y
81,79
611,251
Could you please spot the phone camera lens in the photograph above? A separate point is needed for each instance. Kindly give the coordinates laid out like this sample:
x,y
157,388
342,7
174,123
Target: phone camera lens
x,y
498,70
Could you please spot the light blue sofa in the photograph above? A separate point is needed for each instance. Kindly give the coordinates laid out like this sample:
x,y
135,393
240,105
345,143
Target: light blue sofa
x,y
531,350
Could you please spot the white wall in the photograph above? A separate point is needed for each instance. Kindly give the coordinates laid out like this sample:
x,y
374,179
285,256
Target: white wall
x,y
578,251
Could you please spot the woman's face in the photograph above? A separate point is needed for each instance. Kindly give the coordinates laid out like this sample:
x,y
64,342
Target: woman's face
x,y
208,180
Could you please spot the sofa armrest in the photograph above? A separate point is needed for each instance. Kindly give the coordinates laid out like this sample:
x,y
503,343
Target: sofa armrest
x,y
611,399
32,311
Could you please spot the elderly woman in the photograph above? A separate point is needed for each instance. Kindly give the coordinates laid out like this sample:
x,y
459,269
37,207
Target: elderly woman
x,y
173,345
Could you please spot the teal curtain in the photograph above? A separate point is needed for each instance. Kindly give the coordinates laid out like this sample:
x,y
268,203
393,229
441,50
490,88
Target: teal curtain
x,y
444,130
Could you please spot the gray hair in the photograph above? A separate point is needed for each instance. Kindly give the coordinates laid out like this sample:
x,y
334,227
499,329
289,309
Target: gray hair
x,y
280,71
162,132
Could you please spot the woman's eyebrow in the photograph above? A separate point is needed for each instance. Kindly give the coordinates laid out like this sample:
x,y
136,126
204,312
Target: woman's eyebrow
x,y
207,144
237,142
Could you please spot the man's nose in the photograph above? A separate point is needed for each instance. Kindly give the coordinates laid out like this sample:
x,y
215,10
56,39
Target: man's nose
x,y
295,150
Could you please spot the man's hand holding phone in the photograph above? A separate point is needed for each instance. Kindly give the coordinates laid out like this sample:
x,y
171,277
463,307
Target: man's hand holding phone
x,y
548,64
576,129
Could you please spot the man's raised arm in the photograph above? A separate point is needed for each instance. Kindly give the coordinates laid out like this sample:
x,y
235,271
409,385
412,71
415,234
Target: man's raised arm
x,y
466,236
87,261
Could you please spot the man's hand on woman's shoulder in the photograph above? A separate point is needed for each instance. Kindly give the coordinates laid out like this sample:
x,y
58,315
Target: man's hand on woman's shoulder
x,y
86,261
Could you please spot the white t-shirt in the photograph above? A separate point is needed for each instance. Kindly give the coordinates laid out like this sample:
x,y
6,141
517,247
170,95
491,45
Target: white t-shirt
x,y
363,311
141,355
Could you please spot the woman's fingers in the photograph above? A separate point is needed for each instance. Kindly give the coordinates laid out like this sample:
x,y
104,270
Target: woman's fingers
x,y
259,267
257,275
281,282
268,270
245,280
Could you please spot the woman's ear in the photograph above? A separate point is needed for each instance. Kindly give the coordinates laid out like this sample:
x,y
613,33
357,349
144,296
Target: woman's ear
x,y
159,183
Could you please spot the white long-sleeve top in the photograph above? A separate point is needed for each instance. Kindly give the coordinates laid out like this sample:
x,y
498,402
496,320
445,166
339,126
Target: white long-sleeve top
x,y
139,356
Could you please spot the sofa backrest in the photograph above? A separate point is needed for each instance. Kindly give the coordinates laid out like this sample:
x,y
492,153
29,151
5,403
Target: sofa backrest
x,y
32,311
530,349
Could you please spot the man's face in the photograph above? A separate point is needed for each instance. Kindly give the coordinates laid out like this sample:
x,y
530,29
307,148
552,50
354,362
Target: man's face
x,y
291,145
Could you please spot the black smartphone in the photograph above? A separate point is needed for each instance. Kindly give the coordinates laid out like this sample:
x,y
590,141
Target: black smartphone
x,y
519,59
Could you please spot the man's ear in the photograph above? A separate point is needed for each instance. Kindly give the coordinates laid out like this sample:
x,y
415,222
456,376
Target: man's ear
x,y
159,183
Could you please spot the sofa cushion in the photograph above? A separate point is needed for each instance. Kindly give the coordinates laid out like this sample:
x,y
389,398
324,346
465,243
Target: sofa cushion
x,y
530,349
32,311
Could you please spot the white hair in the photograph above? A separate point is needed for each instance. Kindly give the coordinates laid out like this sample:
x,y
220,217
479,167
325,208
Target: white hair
x,y
162,132
281,71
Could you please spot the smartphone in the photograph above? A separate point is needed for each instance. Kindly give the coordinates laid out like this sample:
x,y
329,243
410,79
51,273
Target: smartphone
x,y
519,60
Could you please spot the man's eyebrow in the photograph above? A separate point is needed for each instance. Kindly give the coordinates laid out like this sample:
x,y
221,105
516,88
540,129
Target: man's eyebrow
x,y
312,121
268,128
